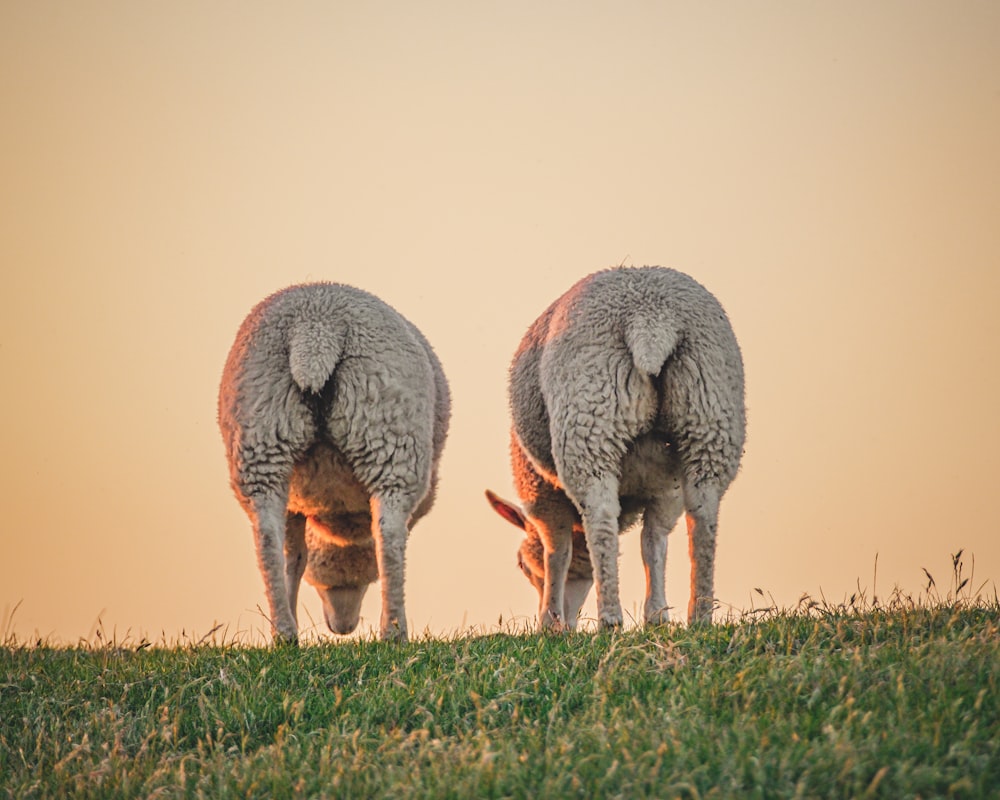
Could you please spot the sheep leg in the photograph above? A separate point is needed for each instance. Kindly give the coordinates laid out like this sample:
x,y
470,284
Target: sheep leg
x,y
389,530
295,560
268,514
558,553
600,508
552,515
657,522
702,522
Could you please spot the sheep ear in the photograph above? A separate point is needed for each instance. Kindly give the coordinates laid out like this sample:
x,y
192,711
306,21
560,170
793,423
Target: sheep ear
x,y
508,511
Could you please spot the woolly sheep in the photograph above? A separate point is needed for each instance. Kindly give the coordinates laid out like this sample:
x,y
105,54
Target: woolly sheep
x,y
334,411
627,400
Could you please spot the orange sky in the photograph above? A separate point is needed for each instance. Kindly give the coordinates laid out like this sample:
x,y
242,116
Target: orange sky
x,y
830,172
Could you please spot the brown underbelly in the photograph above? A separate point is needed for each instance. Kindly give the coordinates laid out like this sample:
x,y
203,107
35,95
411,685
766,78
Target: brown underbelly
x,y
324,486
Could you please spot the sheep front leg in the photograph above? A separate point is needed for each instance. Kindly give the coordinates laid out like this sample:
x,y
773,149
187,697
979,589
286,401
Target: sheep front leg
x,y
654,561
702,522
268,516
390,532
558,552
600,509
658,520
295,559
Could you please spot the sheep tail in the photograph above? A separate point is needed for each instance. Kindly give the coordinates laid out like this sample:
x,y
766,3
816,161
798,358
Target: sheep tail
x,y
650,342
314,349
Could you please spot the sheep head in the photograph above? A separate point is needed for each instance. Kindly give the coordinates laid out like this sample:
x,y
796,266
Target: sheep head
x,y
341,574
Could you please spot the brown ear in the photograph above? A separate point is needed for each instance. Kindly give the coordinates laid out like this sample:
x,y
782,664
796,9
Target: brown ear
x,y
508,511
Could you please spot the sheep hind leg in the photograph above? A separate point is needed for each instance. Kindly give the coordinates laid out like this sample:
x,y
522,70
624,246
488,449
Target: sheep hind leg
x,y
600,507
389,519
702,505
269,519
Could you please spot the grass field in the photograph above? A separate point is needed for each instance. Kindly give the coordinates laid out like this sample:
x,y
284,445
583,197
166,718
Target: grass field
x,y
896,700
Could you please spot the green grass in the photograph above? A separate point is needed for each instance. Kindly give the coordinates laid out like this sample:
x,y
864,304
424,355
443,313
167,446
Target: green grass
x,y
889,701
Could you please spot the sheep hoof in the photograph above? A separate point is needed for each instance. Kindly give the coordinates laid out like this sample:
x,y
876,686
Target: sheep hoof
x,y
660,616
394,633
611,621
551,623
283,640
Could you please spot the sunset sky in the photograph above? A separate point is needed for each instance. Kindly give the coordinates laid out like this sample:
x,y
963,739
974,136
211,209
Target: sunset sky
x,y
830,171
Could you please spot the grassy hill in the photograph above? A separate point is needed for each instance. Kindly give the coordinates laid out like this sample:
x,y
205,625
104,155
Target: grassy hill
x,y
887,702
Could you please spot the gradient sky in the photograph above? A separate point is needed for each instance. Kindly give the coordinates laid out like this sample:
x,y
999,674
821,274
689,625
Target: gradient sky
x,y
830,171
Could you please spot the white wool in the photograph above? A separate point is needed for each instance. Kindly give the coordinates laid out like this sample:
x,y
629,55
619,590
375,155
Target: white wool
x,y
627,400
334,411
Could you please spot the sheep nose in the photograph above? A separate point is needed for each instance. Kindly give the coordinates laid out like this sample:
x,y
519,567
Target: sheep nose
x,y
341,626
342,607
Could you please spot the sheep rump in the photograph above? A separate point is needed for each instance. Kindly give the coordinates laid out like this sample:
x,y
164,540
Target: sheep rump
x,y
627,401
333,410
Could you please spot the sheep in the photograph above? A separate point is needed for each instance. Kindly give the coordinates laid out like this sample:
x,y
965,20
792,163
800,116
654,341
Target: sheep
x,y
334,411
627,400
